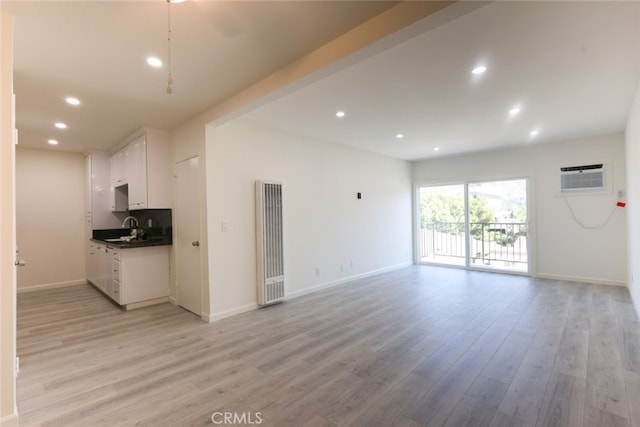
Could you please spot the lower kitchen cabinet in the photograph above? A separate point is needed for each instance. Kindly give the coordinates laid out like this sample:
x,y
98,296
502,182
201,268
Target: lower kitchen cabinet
x,y
131,275
140,274
93,263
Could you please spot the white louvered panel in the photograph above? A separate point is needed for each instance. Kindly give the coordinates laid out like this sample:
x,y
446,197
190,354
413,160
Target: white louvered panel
x,y
587,177
269,239
586,180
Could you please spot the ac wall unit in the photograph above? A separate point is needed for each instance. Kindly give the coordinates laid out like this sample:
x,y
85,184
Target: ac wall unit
x,y
587,177
269,238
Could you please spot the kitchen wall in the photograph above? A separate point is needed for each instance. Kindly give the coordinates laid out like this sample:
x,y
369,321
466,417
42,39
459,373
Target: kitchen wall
x,y
50,217
563,249
633,180
327,229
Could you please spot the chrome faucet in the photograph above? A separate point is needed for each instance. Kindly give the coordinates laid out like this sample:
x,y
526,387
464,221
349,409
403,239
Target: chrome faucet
x,y
133,219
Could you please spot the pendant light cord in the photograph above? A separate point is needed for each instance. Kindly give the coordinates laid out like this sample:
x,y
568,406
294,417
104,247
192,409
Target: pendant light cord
x,y
169,78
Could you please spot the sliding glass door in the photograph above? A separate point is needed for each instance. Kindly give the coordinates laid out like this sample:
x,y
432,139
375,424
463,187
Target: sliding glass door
x,y
442,225
478,225
498,225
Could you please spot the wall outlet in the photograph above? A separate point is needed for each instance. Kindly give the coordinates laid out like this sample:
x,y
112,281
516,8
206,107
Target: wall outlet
x,y
224,226
317,271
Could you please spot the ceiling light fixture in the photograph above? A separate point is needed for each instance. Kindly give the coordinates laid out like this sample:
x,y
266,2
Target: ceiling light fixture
x,y
399,136
514,111
52,142
534,132
436,149
72,101
340,114
60,125
154,62
169,78
479,70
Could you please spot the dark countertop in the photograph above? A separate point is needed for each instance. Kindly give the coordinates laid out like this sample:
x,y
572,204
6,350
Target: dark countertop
x,y
137,243
157,237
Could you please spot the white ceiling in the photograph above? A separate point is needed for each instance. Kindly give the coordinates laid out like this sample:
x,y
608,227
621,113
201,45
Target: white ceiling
x,y
97,50
572,66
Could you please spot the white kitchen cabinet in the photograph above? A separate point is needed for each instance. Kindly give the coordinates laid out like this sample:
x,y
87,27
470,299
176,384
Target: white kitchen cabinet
x,y
106,270
99,265
98,212
130,275
87,188
141,274
119,198
115,289
146,180
119,167
137,173
93,263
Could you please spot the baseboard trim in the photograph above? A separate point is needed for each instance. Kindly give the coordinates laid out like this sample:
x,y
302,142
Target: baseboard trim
x,y
333,283
52,286
147,303
591,280
212,317
9,420
173,300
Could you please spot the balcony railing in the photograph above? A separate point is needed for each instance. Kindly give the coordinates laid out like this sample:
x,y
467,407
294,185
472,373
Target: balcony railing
x,y
496,244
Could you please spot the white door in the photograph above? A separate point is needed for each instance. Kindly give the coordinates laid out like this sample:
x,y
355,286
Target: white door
x,y
187,233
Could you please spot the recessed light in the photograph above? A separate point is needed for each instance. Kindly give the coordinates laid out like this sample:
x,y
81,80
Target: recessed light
x,y
60,125
154,62
534,132
436,148
479,70
340,114
52,142
399,136
514,111
72,101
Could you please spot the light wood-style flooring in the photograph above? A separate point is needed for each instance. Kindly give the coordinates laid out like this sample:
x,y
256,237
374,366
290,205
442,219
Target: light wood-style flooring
x,y
421,346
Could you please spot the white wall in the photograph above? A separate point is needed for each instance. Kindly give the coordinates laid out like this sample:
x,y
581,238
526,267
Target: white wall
x,y
563,249
633,179
8,409
326,226
50,217
400,23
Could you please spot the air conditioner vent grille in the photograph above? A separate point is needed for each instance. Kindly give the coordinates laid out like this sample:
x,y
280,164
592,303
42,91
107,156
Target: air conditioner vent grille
x,y
588,177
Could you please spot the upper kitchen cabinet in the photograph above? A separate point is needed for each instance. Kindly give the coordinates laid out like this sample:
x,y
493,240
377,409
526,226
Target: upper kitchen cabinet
x,y
142,163
97,201
137,174
119,167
